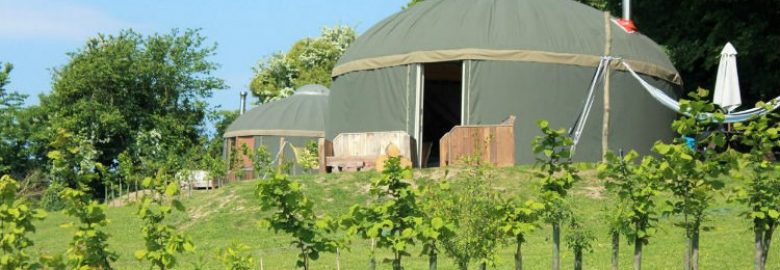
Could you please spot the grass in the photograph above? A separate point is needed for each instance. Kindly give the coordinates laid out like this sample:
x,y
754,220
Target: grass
x,y
214,219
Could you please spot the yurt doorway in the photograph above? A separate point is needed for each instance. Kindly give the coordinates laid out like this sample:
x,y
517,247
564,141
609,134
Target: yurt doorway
x,y
442,101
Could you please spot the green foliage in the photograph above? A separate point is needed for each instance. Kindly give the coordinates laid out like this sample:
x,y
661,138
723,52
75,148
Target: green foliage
x,y
309,61
394,216
236,257
72,163
118,87
557,173
308,156
695,31
579,240
434,227
51,200
262,162
14,155
760,187
163,242
16,222
475,211
636,186
692,175
292,213
412,3
519,219
558,176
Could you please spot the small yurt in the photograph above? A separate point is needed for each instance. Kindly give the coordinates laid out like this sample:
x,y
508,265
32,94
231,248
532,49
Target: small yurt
x,y
279,126
443,63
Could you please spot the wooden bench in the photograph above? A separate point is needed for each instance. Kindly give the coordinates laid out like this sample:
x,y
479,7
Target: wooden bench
x,y
493,143
351,152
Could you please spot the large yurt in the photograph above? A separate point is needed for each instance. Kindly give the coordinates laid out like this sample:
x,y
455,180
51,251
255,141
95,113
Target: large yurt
x,y
279,126
443,63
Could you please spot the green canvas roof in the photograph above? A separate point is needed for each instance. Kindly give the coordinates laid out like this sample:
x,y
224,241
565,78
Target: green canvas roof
x,y
302,114
546,31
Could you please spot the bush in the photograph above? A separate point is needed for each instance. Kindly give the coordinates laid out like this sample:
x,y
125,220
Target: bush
x,y
51,200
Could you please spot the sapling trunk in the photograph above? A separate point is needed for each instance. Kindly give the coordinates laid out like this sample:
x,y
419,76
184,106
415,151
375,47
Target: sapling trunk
x,y
519,253
556,235
397,261
695,249
638,254
759,239
432,260
577,258
372,260
483,266
615,250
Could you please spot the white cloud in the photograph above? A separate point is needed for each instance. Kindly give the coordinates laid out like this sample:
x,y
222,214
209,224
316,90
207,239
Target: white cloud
x,y
39,19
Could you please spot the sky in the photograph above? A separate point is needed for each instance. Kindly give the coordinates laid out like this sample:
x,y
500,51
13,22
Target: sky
x,y
36,35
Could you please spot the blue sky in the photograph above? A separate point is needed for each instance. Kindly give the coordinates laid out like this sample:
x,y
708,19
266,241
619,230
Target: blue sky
x,y
35,35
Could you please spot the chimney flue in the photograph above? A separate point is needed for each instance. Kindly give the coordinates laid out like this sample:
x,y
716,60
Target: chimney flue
x,y
242,110
627,10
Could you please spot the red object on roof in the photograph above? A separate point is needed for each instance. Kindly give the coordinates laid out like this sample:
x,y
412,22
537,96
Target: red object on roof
x,y
627,25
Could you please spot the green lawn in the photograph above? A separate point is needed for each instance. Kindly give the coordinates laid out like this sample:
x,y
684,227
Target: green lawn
x,y
216,218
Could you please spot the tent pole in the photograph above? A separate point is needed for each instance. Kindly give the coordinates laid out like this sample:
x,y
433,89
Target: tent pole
x,y
607,51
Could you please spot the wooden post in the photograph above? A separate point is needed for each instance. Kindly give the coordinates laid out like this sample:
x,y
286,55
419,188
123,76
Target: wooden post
x,y
607,51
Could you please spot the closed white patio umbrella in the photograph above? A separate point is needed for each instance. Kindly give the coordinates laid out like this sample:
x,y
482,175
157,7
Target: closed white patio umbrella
x,y
727,93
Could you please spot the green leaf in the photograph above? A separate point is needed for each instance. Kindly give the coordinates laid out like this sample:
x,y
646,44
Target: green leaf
x,y
437,223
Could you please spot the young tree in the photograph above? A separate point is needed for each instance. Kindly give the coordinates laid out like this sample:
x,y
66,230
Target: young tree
x,y
433,229
236,257
73,163
558,176
293,214
16,222
474,209
760,190
691,174
636,187
394,216
520,219
162,241
579,240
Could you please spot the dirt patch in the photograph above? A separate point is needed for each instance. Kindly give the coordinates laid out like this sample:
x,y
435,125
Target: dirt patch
x,y
593,192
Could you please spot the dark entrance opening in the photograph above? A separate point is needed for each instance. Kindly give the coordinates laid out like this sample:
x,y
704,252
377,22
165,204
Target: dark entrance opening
x,y
441,106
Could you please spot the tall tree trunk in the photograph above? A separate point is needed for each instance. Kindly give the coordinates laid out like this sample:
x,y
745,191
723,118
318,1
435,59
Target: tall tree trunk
x,y
577,259
615,250
637,254
519,253
758,230
695,249
556,259
432,260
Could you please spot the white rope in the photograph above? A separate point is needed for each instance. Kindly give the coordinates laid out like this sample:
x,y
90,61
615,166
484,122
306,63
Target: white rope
x,y
672,104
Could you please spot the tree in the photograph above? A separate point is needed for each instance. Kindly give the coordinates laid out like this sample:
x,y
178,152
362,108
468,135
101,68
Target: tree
x,y
394,216
558,176
119,86
636,186
162,241
691,174
760,189
694,32
73,163
14,157
237,257
309,61
434,228
579,240
293,214
475,211
16,222
520,219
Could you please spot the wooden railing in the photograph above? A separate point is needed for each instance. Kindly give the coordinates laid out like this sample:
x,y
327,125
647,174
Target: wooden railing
x,y
493,143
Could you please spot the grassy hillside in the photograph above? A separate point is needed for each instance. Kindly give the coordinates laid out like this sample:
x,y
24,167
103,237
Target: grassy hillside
x,y
215,219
